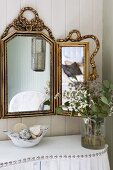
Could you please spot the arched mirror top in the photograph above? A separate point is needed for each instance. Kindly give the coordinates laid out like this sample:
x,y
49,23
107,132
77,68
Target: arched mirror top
x,y
21,23
27,67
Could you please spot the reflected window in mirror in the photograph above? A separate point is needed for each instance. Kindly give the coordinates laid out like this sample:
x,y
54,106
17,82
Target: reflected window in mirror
x,y
73,65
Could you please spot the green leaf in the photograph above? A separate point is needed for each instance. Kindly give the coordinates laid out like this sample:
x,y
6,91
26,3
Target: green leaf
x,y
95,108
106,83
75,78
111,86
105,109
104,100
102,114
66,103
47,102
73,113
105,90
59,110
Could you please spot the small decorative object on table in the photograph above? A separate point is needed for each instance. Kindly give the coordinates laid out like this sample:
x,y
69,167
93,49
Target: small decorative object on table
x,y
94,101
26,137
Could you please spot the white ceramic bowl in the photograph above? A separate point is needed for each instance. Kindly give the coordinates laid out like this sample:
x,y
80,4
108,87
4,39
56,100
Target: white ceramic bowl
x,y
15,138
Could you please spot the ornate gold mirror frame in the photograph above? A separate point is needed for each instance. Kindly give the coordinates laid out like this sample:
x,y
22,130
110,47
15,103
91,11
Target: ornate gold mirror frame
x,y
75,36
75,39
22,26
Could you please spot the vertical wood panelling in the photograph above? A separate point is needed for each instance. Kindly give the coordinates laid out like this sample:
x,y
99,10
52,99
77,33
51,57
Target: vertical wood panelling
x,y
89,24
44,9
58,125
60,16
59,30
3,126
3,15
86,21
72,15
72,125
86,14
97,18
11,14
25,3
98,31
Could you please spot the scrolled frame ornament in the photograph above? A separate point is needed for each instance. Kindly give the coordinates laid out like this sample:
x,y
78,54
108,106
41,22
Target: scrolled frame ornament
x,y
23,24
24,27
93,74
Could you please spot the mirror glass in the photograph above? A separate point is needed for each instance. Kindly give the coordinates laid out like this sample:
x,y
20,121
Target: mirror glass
x,y
73,64
28,73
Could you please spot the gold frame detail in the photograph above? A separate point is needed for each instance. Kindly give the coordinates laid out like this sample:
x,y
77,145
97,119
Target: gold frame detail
x,y
59,46
24,27
93,75
22,24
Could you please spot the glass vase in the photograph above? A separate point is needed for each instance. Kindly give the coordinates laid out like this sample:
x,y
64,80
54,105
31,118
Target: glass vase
x,y
93,133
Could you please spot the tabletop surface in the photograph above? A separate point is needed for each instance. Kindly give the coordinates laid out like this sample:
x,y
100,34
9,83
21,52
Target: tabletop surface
x,y
48,146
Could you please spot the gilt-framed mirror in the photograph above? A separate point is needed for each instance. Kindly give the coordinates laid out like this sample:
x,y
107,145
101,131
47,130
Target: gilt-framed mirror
x,y
27,68
74,64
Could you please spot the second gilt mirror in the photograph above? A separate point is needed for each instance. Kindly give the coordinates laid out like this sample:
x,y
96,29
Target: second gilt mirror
x,y
73,63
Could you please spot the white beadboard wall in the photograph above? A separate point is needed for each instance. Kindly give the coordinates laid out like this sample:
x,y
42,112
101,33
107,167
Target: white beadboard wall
x,y
61,16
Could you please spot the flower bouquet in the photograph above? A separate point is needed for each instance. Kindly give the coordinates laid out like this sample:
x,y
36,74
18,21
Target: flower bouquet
x,y
94,102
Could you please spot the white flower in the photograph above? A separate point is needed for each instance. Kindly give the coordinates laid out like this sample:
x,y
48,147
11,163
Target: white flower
x,y
86,120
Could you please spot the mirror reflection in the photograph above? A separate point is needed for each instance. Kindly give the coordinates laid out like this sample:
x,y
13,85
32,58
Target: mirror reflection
x,y
73,66
28,73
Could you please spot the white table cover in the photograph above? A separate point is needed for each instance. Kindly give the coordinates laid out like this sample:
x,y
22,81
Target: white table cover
x,y
53,153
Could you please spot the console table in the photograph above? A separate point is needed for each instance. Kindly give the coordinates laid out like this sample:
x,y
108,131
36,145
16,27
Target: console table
x,y
53,153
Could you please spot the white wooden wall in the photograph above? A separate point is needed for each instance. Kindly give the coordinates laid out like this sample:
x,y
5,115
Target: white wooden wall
x,y
61,16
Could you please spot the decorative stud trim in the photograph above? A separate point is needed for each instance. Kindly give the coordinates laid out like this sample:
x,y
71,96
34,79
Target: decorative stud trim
x,y
46,157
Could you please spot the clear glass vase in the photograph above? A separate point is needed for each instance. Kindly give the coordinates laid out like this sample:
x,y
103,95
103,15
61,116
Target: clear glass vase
x,y
93,133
